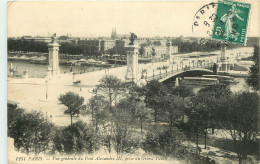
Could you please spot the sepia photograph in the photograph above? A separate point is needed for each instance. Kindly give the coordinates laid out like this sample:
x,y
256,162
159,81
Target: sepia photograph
x,y
133,82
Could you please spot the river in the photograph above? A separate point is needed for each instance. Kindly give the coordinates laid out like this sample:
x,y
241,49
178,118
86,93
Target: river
x,y
40,70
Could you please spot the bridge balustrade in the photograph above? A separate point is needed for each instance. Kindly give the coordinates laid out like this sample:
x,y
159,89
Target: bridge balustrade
x,y
183,69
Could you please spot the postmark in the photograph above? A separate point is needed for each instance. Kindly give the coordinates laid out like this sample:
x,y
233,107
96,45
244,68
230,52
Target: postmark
x,y
203,21
231,22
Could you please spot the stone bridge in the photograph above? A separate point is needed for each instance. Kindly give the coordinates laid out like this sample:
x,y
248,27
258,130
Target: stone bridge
x,y
184,72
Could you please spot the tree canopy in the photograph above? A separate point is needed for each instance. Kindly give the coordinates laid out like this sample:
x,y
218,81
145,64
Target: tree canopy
x,y
253,79
73,102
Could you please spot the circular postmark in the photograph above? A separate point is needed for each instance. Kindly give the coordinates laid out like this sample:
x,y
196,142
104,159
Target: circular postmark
x,y
203,22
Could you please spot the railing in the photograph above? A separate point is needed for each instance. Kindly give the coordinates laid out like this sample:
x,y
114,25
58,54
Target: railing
x,y
183,69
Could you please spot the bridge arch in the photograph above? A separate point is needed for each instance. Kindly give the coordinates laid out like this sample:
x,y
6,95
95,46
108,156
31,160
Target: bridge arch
x,y
189,73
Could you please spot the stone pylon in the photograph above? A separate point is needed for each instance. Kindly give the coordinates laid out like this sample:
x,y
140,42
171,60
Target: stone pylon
x,y
53,63
132,63
169,50
223,58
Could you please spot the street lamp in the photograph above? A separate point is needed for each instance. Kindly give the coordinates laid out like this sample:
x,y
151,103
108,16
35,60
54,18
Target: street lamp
x,y
46,84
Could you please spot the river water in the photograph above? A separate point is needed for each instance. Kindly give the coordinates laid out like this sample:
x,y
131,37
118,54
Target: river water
x,y
40,70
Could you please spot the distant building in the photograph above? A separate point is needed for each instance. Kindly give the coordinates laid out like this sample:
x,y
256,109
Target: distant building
x,y
126,42
37,39
158,51
121,43
107,44
13,38
123,36
141,41
155,51
42,39
27,38
64,39
113,34
175,49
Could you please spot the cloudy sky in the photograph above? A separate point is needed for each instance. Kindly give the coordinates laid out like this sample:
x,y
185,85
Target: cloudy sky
x,y
98,18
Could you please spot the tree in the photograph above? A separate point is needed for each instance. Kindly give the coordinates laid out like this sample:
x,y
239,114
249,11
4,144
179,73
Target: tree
x,y
14,113
183,91
253,79
130,90
166,141
98,105
141,51
73,102
110,87
154,95
198,115
142,113
31,133
57,140
124,136
157,43
241,121
206,106
79,138
174,108
213,97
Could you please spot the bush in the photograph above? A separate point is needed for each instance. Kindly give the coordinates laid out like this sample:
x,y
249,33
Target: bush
x,y
31,132
77,138
164,141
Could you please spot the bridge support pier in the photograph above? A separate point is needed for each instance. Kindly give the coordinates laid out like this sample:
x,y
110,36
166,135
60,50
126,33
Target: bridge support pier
x,y
132,63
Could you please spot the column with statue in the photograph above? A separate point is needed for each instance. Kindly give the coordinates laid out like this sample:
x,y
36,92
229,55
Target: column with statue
x,y
223,59
169,50
53,63
132,60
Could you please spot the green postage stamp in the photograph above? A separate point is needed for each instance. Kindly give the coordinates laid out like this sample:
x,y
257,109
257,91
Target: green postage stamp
x,y
231,21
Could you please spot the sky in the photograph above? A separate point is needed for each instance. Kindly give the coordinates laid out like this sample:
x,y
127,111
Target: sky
x,y
93,19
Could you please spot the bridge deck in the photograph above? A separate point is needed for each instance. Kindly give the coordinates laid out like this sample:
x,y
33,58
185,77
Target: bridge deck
x,y
164,76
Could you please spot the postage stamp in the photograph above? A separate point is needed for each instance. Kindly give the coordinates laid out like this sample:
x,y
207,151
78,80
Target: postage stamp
x,y
231,22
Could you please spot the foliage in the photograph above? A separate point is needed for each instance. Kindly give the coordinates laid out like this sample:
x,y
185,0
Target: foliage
x,y
14,113
157,43
65,48
99,109
110,87
194,45
242,120
31,133
57,140
215,98
154,96
165,141
117,50
124,137
253,80
142,113
68,48
26,46
198,115
141,51
173,109
79,138
132,91
183,91
73,102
